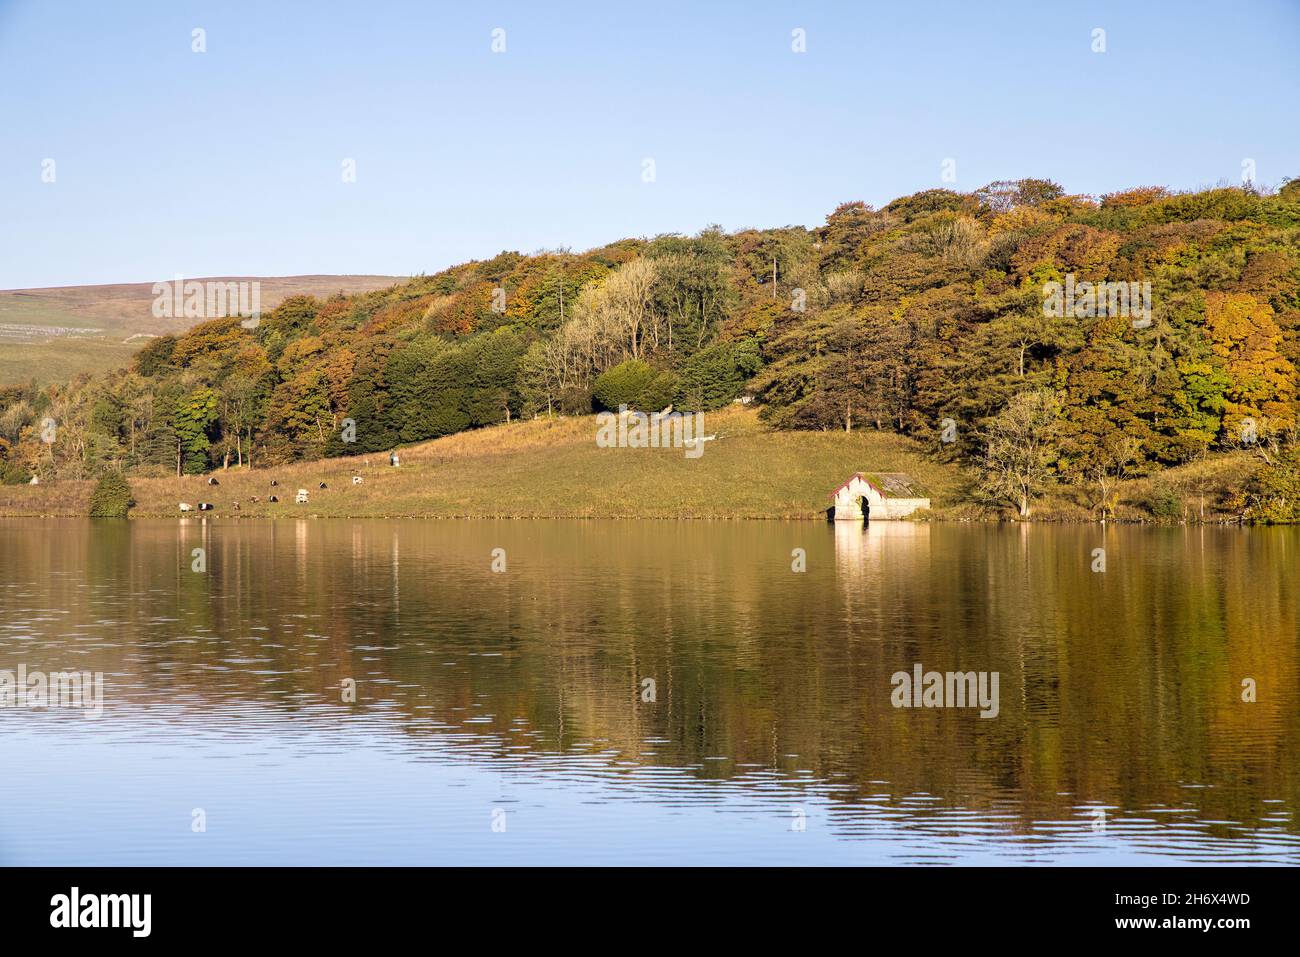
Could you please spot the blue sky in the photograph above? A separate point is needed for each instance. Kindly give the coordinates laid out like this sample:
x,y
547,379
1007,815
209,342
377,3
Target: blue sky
x,y
230,161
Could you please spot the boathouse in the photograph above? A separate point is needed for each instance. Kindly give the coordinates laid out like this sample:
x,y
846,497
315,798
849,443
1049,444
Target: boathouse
x,y
867,496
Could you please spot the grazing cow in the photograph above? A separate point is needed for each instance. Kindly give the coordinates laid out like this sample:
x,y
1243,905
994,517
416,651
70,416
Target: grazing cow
x,y
356,480
235,506
254,499
323,485
274,482
185,506
273,499
212,480
205,506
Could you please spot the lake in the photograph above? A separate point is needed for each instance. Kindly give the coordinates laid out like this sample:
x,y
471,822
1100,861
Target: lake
x,y
649,693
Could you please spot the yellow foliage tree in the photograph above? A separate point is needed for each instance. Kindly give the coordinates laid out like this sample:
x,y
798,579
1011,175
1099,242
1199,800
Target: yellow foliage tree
x,y
1244,335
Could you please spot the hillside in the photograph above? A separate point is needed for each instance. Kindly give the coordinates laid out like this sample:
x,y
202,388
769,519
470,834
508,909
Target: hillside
x,y
54,334
1060,346
545,468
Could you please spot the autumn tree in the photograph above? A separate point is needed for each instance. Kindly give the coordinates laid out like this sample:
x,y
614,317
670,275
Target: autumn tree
x,y
1245,339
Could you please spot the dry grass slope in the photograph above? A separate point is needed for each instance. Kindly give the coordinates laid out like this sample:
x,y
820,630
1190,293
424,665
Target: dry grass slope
x,y
547,469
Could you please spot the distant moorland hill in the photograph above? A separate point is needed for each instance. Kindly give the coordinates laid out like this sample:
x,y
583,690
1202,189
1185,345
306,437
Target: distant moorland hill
x,y
1062,348
54,334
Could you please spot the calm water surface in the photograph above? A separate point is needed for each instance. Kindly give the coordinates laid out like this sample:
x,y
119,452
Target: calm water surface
x,y
517,696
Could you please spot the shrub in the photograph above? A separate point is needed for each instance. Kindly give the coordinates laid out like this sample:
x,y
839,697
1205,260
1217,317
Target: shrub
x,y
111,497
623,384
12,473
1275,489
1165,502
575,401
659,393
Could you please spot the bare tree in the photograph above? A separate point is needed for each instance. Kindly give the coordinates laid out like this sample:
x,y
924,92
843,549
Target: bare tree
x,y
610,322
1109,467
1019,448
627,297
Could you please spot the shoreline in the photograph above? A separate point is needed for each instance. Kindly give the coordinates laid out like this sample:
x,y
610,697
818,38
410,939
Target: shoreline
x,y
480,517
554,469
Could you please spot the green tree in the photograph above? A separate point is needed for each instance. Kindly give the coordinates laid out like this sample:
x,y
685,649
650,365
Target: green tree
x,y
111,497
427,381
492,362
717,374
195,415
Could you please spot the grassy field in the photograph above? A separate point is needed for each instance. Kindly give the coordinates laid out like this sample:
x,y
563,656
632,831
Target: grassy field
x,y
51,335
552,468
547,468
